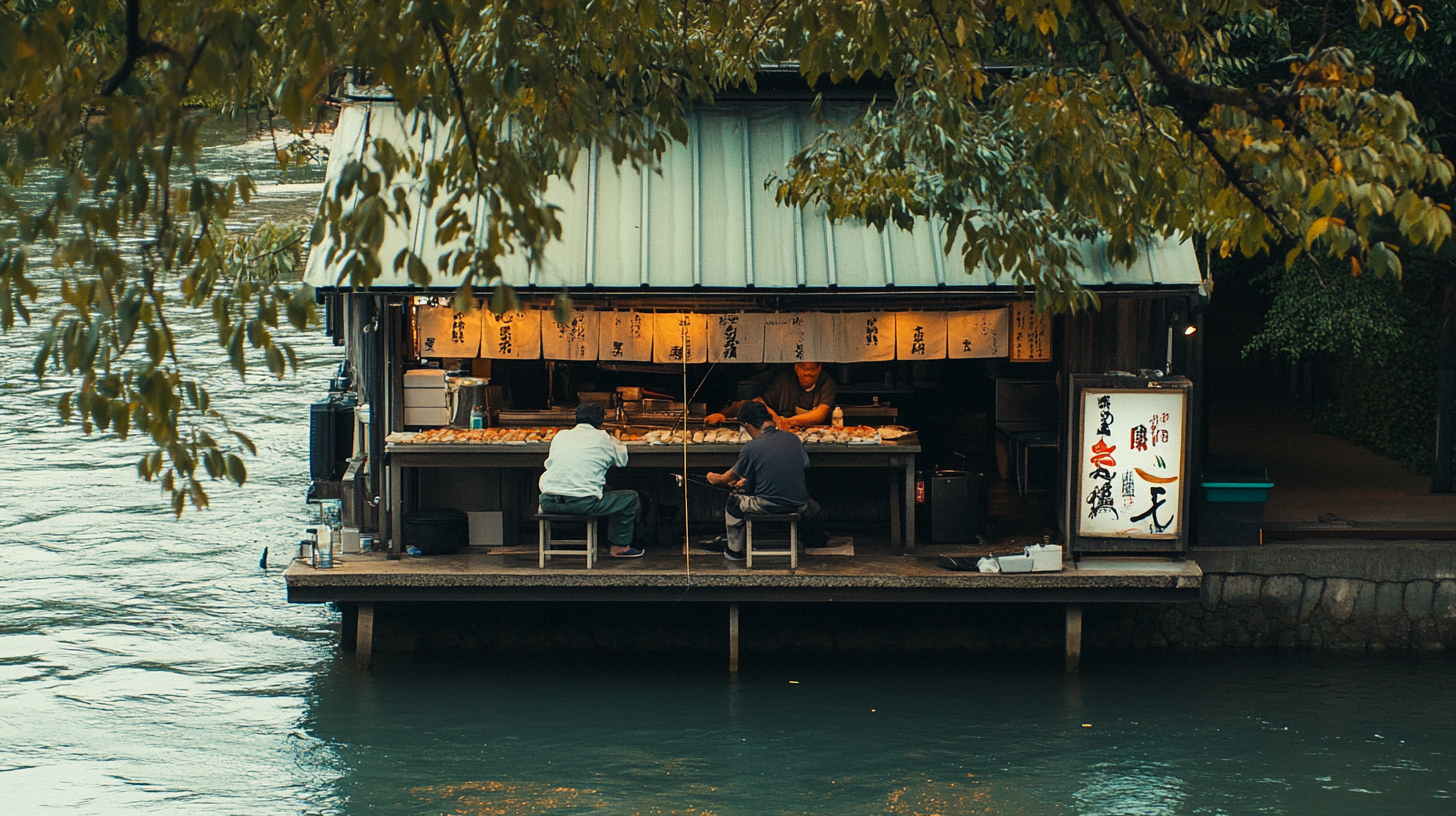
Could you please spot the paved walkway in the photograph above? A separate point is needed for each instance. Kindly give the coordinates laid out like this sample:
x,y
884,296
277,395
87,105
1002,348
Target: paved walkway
x,y
1319,476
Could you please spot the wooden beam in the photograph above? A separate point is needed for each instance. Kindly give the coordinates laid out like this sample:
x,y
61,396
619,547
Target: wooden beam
x,y
1074,637
733,638
364,648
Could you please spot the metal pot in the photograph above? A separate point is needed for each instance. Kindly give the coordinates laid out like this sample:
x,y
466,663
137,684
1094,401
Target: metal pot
x,y
467,393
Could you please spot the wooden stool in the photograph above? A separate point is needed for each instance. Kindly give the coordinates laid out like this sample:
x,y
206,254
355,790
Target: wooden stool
x,y
546,549
791,519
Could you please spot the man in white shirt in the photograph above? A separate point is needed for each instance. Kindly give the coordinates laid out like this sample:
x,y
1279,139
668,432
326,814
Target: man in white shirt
x,y
576,473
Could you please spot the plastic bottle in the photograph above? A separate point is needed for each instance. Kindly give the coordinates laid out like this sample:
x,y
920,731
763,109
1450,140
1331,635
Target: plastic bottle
x,y
477,418
838,417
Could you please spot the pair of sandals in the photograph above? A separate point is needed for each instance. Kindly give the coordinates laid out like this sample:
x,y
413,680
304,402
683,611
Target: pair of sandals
x,y
630,552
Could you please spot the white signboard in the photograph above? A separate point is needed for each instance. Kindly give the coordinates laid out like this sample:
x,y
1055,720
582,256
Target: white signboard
x,y
440,331
573,340
626,337
1130,463
984,333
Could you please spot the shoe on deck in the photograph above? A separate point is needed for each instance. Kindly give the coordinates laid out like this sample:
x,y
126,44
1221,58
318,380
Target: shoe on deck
x,y
733,555
630,552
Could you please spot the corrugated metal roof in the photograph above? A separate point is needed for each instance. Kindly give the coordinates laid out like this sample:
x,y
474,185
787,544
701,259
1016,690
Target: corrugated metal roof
x,y
706,221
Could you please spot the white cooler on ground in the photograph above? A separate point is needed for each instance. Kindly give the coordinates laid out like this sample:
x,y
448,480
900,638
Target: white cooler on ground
x,y
1045,557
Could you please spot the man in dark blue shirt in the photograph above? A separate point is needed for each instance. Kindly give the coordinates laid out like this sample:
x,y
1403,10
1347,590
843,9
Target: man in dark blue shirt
x,y
767,478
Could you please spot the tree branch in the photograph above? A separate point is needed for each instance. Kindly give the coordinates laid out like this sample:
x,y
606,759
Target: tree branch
x,y
136,48
1192,118
439,32
1196,97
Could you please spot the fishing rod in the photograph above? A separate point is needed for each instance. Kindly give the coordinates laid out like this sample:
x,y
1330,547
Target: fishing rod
x,y
699,480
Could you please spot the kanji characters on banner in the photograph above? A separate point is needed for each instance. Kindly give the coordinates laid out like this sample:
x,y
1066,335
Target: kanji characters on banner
x,y
679,338
735,338
1031,334
783,338
574,340
440,331
511,336
865,337
920,335
625,337
984,333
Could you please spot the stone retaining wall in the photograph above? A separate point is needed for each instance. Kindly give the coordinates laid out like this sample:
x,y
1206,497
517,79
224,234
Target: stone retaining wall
x,y
1308,595
1288,611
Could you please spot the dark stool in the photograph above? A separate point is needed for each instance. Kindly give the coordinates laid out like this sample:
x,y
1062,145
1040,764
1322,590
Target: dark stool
x,y
791,519
547,546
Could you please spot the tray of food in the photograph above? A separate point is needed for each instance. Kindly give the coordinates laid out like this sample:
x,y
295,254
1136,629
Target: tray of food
x,y
848,435
479,436
707,436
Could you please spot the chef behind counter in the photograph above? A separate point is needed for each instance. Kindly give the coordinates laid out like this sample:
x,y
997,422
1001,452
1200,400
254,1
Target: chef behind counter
x,y
796,399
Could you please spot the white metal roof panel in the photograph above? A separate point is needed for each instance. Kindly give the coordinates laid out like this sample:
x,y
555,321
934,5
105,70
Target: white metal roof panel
x,y
704,219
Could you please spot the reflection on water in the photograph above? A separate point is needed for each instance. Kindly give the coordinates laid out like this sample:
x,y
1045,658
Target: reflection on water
x,y
1154,735
150,666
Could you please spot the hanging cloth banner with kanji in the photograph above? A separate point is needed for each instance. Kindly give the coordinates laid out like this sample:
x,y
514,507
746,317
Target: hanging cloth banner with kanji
x,y
625,337
511,336
821,337
440,331
920,335
573,340
865,337
783,338
1031,334
983,333
735,338
679,338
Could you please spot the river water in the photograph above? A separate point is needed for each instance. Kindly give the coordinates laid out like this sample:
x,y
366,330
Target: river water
x,y
151,665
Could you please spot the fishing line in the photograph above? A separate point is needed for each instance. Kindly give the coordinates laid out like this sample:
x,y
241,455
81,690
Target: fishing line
x,y
687,545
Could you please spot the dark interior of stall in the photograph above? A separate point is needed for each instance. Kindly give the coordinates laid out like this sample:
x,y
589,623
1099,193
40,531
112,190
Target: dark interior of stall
x,y
987,429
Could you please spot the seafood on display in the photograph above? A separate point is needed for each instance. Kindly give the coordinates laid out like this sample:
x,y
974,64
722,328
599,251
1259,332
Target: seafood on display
x,y
487,436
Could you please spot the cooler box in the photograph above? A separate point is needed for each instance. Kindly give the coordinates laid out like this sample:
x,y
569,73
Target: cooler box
x,y
950,505
1231,502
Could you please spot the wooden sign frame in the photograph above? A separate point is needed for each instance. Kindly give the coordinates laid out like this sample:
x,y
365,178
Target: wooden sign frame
x,y
1083,533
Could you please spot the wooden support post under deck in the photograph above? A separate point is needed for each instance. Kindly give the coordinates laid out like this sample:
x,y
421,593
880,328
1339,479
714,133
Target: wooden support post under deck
x,y
1074,637
909,500
364,650
733,638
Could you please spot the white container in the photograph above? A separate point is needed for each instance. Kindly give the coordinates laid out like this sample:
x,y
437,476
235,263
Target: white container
x,y
1045,557
350,540
424,378
433,417
426,398
485,528
1014,563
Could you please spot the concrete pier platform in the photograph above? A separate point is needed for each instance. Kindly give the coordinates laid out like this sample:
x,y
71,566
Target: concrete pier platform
x,y
871,575
478,575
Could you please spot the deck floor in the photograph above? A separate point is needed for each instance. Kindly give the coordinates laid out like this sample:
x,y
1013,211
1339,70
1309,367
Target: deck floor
x,y
873,573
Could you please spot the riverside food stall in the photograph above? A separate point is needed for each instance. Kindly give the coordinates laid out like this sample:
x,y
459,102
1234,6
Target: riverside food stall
x,y
690,288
